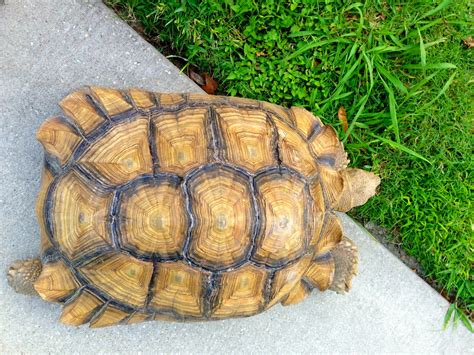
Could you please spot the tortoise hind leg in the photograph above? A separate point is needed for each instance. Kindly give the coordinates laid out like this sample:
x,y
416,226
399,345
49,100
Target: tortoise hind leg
x,y
334,269
345,256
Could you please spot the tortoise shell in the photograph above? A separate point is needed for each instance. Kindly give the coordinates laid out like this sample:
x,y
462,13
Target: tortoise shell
x,y
185,206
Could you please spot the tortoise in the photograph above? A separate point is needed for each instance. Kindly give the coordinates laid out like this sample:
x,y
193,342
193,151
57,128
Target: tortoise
x,y
187,207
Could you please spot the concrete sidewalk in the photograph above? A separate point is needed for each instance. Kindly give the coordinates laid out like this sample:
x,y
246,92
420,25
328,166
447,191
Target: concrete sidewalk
x,y
48,48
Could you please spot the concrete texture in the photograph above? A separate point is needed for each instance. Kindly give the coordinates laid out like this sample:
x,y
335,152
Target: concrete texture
x,y
48,48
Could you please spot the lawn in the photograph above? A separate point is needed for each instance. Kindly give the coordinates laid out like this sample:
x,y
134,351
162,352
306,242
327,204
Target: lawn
x,y
405,77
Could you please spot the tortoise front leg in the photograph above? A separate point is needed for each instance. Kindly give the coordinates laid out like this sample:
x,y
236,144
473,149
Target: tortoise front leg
x,y
22,274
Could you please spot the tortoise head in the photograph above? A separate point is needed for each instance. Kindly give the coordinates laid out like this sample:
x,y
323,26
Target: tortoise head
x,y
22,275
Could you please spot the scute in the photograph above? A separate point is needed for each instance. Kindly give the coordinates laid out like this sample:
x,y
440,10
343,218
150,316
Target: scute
x,y
120,276
182,140
80,216
283,202
247,138
221,201
241,292
119,155
179,289
153,218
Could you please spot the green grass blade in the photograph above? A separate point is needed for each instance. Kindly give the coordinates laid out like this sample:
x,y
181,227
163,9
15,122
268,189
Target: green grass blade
x,y
401,147
392,104
390,77
431,66
466,321
312,45
442,91
422,50
438,8
448,316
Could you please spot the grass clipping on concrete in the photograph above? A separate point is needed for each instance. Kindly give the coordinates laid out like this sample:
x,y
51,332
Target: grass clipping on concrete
x,y
401,71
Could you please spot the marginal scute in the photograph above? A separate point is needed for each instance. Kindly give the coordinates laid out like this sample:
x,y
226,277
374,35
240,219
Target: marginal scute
x,y
171,101
318,209
58,138
296,295
247,137
78,107
333,184
80,310
121,154
79,216
182,141
306,122
286,279
329,150
111,100
331,236
294,151
153,218
141,98
56,282
200,99
122,277
281,113
46,180
138,317
179,288
240,292
221,202
110,315
283,203
320,273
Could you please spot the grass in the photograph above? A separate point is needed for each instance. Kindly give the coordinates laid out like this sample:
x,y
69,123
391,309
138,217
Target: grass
x,y
401,71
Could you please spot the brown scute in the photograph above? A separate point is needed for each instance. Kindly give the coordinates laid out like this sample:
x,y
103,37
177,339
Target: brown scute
x,y
58,138
248,138
331,236
80,220
318,210
320,273
153,219
110,315
80,310
286,279
328,149
112,101
178,289
306,123
142,99
171,101
46,180
221,201
283,232
79,108
56,282
120,276
296,295
182,141
120,155
240,292
294,151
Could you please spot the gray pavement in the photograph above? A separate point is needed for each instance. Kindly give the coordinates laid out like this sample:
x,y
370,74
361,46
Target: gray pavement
x,y
47,49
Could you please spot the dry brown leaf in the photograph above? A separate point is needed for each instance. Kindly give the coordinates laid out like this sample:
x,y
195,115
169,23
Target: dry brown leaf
x,y
211,85
196,77
342,115
261,54
469,42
